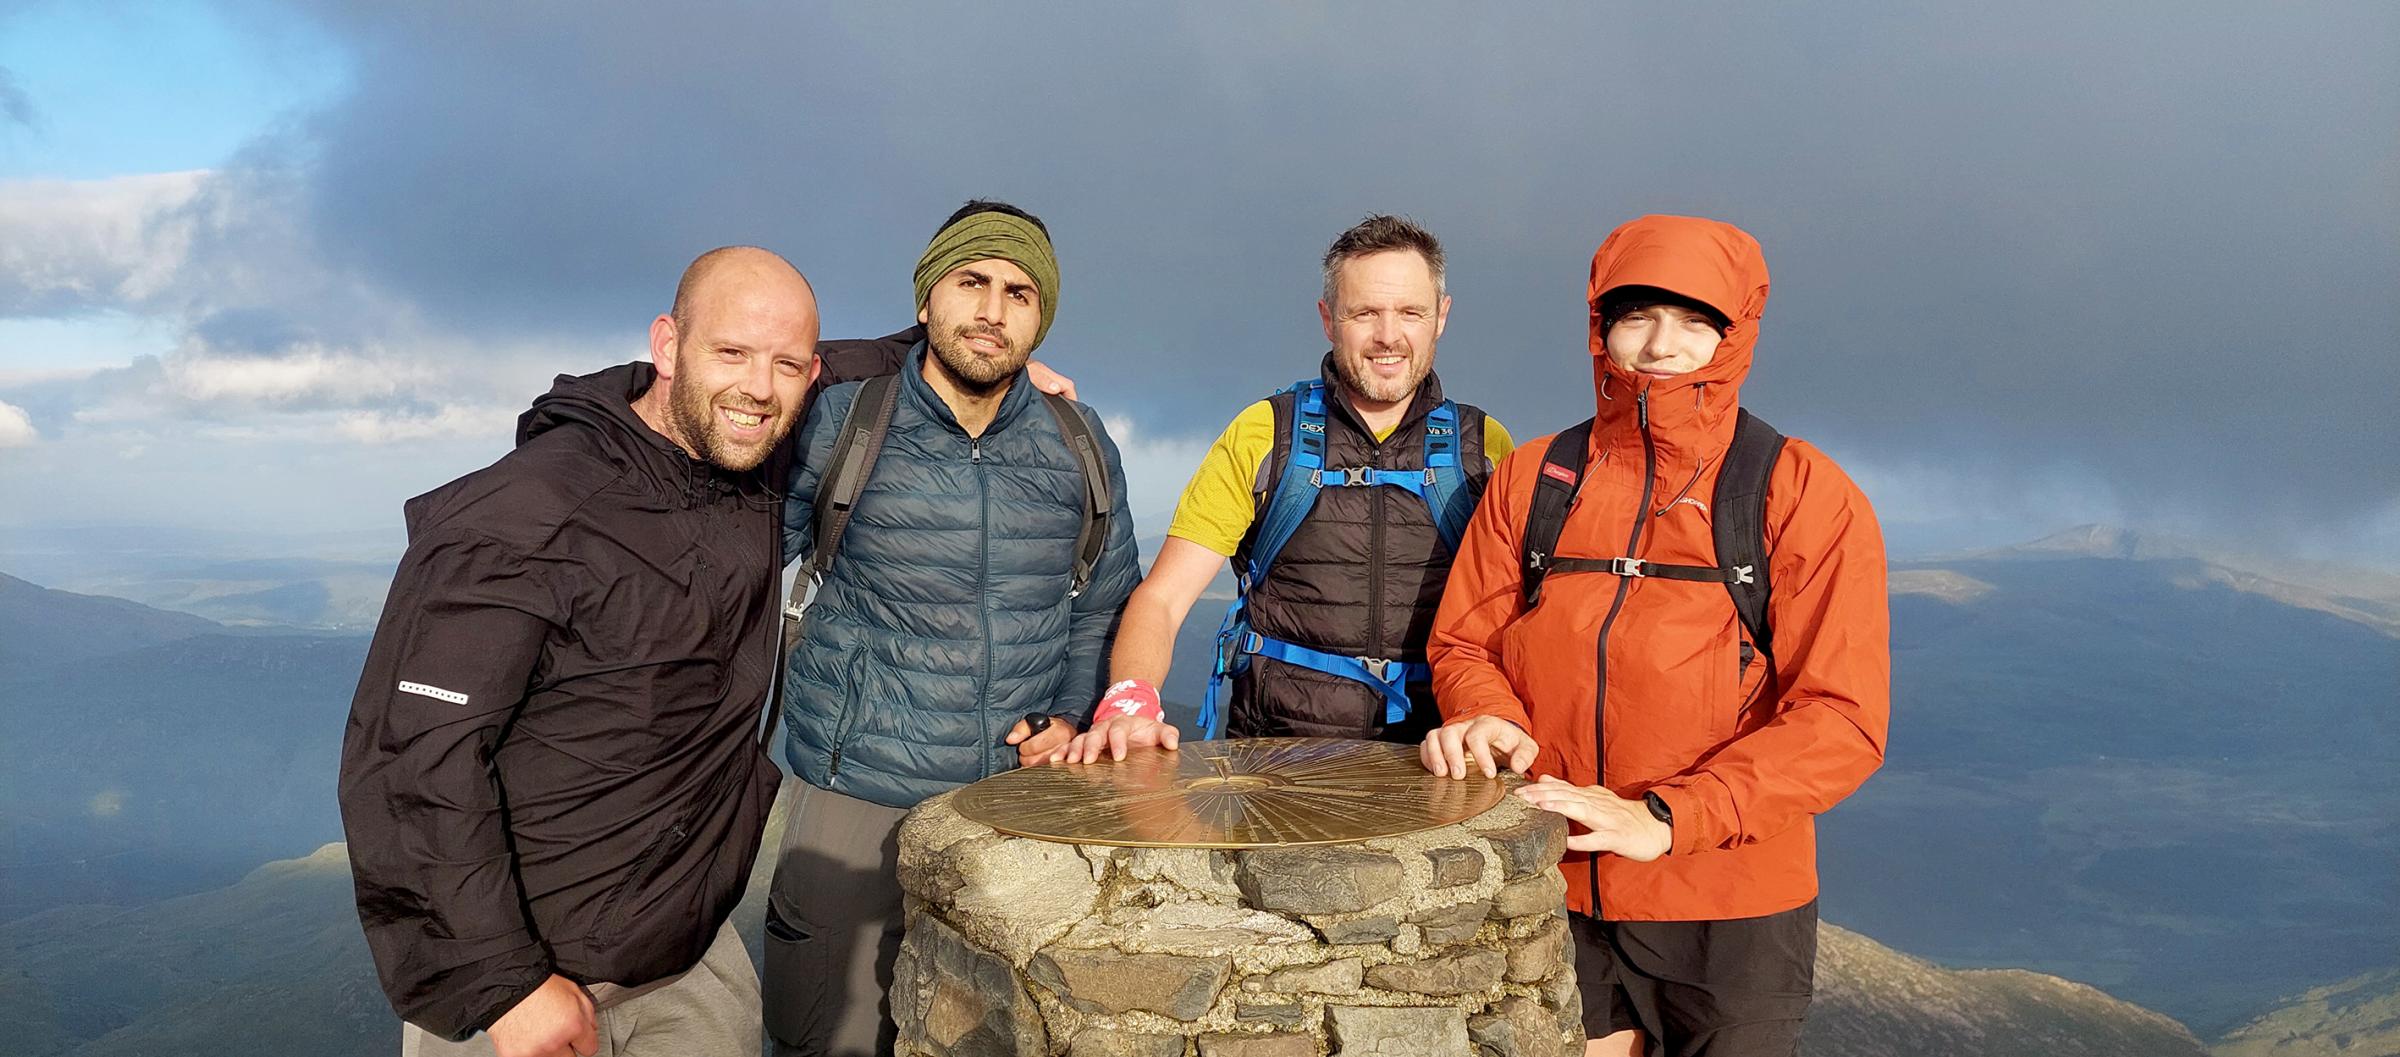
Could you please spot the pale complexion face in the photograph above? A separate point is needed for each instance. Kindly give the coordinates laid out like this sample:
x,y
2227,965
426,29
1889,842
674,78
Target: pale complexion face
x,y
1663,341
980,320
1385,316
739,363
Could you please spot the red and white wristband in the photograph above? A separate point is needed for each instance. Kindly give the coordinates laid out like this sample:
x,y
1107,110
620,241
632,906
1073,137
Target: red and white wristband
x,y
1131,697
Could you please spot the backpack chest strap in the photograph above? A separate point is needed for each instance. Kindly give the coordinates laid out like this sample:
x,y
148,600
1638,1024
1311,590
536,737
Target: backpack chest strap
x,y
1637,567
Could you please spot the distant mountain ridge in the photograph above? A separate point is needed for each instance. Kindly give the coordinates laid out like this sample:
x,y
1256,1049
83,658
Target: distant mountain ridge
x,y
2365,596
51,627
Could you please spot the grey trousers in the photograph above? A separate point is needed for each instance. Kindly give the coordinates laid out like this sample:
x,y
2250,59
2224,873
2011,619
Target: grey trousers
x,y
711,1010
833,927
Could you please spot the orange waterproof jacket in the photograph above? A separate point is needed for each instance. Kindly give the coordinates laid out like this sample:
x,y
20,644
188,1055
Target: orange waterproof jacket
x,y
1652,667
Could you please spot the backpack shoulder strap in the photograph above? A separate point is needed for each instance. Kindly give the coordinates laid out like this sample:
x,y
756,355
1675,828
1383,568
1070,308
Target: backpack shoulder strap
x,y
1295,491
1553,494
1450,491
1092,538
846,473
1740,522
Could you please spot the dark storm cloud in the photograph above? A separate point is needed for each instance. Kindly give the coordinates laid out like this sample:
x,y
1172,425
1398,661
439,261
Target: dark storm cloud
x,y
2157,247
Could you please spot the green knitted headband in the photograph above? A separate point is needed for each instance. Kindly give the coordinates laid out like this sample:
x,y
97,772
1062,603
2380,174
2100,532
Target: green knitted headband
x,y
983,237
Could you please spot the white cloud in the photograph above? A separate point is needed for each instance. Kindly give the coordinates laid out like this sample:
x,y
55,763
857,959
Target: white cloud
x,y
16,428
307,373
75,245
1156,469
459,421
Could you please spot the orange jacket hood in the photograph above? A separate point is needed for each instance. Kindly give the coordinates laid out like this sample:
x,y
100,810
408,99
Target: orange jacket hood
x,y
1709,261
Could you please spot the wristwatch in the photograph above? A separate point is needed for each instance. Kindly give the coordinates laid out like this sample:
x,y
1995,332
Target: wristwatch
x,y
1658,808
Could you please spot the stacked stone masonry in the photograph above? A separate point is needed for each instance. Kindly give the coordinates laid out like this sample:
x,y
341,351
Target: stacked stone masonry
x,y
1442,943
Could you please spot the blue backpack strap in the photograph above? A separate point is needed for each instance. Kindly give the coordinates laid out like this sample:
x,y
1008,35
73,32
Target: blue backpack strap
x,y
1296,490
1390,677
1286,505
1447,488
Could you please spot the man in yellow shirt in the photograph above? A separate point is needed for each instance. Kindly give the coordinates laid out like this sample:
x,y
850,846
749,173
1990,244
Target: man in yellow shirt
x,y
1339,501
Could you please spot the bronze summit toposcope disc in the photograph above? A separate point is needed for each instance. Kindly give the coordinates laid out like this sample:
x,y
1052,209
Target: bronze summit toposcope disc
x,y
1245,793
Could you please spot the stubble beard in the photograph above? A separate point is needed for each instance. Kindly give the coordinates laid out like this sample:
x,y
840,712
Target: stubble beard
x,y
972,373
694,417
1357,374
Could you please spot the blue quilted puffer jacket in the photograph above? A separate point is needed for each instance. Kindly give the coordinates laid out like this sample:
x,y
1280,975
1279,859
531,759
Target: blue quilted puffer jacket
x,y
945,618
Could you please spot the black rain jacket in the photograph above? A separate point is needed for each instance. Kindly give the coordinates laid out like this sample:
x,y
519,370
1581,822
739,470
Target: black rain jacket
x,y
552,763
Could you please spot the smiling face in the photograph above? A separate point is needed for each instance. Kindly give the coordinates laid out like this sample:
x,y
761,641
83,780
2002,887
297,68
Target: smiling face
x,y
1386,313
737,362
1663,341
980,320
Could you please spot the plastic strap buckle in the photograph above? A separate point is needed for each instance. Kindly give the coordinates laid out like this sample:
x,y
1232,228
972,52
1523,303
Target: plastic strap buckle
x,y
1628,566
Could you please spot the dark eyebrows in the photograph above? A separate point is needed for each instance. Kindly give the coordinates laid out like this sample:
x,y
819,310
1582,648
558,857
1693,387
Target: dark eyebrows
x,y
1028,289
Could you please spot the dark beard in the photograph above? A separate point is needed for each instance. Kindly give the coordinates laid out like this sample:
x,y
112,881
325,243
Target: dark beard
x,y
975,375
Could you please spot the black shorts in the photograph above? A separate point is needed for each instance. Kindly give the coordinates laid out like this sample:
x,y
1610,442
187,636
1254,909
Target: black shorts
x,y
1700,988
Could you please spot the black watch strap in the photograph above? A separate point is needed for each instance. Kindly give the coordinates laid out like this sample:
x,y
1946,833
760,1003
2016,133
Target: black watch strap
x,y
1658,808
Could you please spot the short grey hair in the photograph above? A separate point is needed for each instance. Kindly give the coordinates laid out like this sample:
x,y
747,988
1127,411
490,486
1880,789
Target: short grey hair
x,y
1381,233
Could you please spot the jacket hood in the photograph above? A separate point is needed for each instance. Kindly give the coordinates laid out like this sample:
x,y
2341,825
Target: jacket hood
x,y
602,402
1708,261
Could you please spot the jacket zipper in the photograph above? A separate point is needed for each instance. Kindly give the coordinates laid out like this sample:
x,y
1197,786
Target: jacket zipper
x,y
983,612
1633,548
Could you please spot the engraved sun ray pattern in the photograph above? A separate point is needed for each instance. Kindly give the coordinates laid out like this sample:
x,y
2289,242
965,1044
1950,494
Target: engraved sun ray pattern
x,y
1247,793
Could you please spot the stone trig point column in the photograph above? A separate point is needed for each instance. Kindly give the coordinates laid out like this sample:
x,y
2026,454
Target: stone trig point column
x,y
1258,898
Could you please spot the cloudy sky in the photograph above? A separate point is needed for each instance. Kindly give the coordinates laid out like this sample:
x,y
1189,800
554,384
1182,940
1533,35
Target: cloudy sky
x,y
282,266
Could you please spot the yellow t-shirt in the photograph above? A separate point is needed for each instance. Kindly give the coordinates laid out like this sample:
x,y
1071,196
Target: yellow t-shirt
x,y
1216,509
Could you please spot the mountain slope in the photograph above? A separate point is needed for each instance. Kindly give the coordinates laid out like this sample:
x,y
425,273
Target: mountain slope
x,y
45,627
2359,1017
157,753
1873,1001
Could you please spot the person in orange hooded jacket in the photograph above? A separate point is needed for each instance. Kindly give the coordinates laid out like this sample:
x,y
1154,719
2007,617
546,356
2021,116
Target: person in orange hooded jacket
x,y
1691,874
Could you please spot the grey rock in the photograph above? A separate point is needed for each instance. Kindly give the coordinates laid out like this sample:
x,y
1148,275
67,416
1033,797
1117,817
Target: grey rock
x,y
1105,981
1466,972
1560,995
1374,929
1195,870
966,1000
1107,1042
1516,1026
1534,844
1318,880
1531,957
1276,1045
1541,893
1340,976
1389,1031
1443,926
1191,927
1455,866
1272,1014
1015,895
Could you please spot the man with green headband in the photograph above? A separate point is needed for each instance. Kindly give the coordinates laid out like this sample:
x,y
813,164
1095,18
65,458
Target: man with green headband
x,y
946,639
